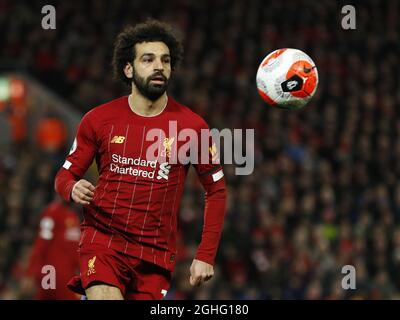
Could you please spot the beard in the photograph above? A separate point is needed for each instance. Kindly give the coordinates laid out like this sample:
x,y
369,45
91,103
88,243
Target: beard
x,y
151,91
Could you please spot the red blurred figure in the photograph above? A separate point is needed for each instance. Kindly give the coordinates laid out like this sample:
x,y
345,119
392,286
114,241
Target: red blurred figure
x,y
56,245
51,133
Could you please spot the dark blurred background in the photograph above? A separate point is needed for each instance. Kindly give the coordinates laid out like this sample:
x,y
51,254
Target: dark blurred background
x,y
325,191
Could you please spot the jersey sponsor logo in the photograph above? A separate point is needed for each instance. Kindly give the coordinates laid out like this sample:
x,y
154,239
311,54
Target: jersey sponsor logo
x,y
118,165
164,171
118,139
133,161
91,268
118,160
131,171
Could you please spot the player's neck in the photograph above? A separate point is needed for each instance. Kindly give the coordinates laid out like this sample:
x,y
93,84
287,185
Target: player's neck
x,y
145,107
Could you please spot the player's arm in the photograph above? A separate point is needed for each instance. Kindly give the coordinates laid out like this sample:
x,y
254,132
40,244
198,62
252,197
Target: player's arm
x,y
212,178
68,182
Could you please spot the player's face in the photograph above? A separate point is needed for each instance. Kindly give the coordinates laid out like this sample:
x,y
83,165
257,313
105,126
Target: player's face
x,y
151,69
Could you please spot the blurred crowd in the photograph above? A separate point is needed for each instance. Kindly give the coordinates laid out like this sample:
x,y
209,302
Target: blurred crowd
x,y
325,191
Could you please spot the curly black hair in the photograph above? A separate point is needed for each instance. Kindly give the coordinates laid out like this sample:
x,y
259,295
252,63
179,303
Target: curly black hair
x,y
149,31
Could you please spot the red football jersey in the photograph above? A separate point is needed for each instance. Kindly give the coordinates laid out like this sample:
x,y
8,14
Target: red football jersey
x,y
137,196
56,245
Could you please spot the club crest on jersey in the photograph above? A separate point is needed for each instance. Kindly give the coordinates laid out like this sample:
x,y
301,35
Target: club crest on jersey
x,y
214,153
118,139
91,268
167,144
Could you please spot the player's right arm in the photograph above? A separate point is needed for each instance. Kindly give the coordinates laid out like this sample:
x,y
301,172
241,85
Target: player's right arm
x,y
68,182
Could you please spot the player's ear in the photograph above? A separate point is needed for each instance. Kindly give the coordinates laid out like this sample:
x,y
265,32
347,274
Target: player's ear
x,y
128,70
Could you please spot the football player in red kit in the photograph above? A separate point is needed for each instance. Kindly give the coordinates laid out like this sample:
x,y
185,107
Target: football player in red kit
x,y
128,243
56,246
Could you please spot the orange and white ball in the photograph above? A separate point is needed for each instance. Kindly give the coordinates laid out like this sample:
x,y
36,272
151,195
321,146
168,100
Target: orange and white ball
x,y
287,78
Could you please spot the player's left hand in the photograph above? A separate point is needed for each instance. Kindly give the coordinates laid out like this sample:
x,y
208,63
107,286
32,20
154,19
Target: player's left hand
x,y
200,272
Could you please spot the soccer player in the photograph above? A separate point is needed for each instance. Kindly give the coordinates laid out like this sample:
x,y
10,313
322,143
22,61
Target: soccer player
x,y
128,244
55,245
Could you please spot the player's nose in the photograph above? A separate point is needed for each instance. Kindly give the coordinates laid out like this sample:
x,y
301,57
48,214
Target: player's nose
x,y
158,65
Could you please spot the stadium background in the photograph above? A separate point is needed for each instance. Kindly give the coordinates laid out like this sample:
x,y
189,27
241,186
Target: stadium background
x,y
325,190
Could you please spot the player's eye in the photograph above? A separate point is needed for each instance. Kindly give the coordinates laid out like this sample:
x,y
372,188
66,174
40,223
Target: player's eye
x,y
167,60
147,60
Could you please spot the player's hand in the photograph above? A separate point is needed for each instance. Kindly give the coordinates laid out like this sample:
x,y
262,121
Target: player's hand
x,y
200,272
82,192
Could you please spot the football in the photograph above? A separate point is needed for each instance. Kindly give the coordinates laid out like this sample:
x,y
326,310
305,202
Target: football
x,y
287,78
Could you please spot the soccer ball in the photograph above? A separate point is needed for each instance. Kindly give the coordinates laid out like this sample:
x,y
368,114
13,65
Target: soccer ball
x,y
287,78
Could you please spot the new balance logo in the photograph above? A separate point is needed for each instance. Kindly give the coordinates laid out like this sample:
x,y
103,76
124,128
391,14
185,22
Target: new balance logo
x,y
118,139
